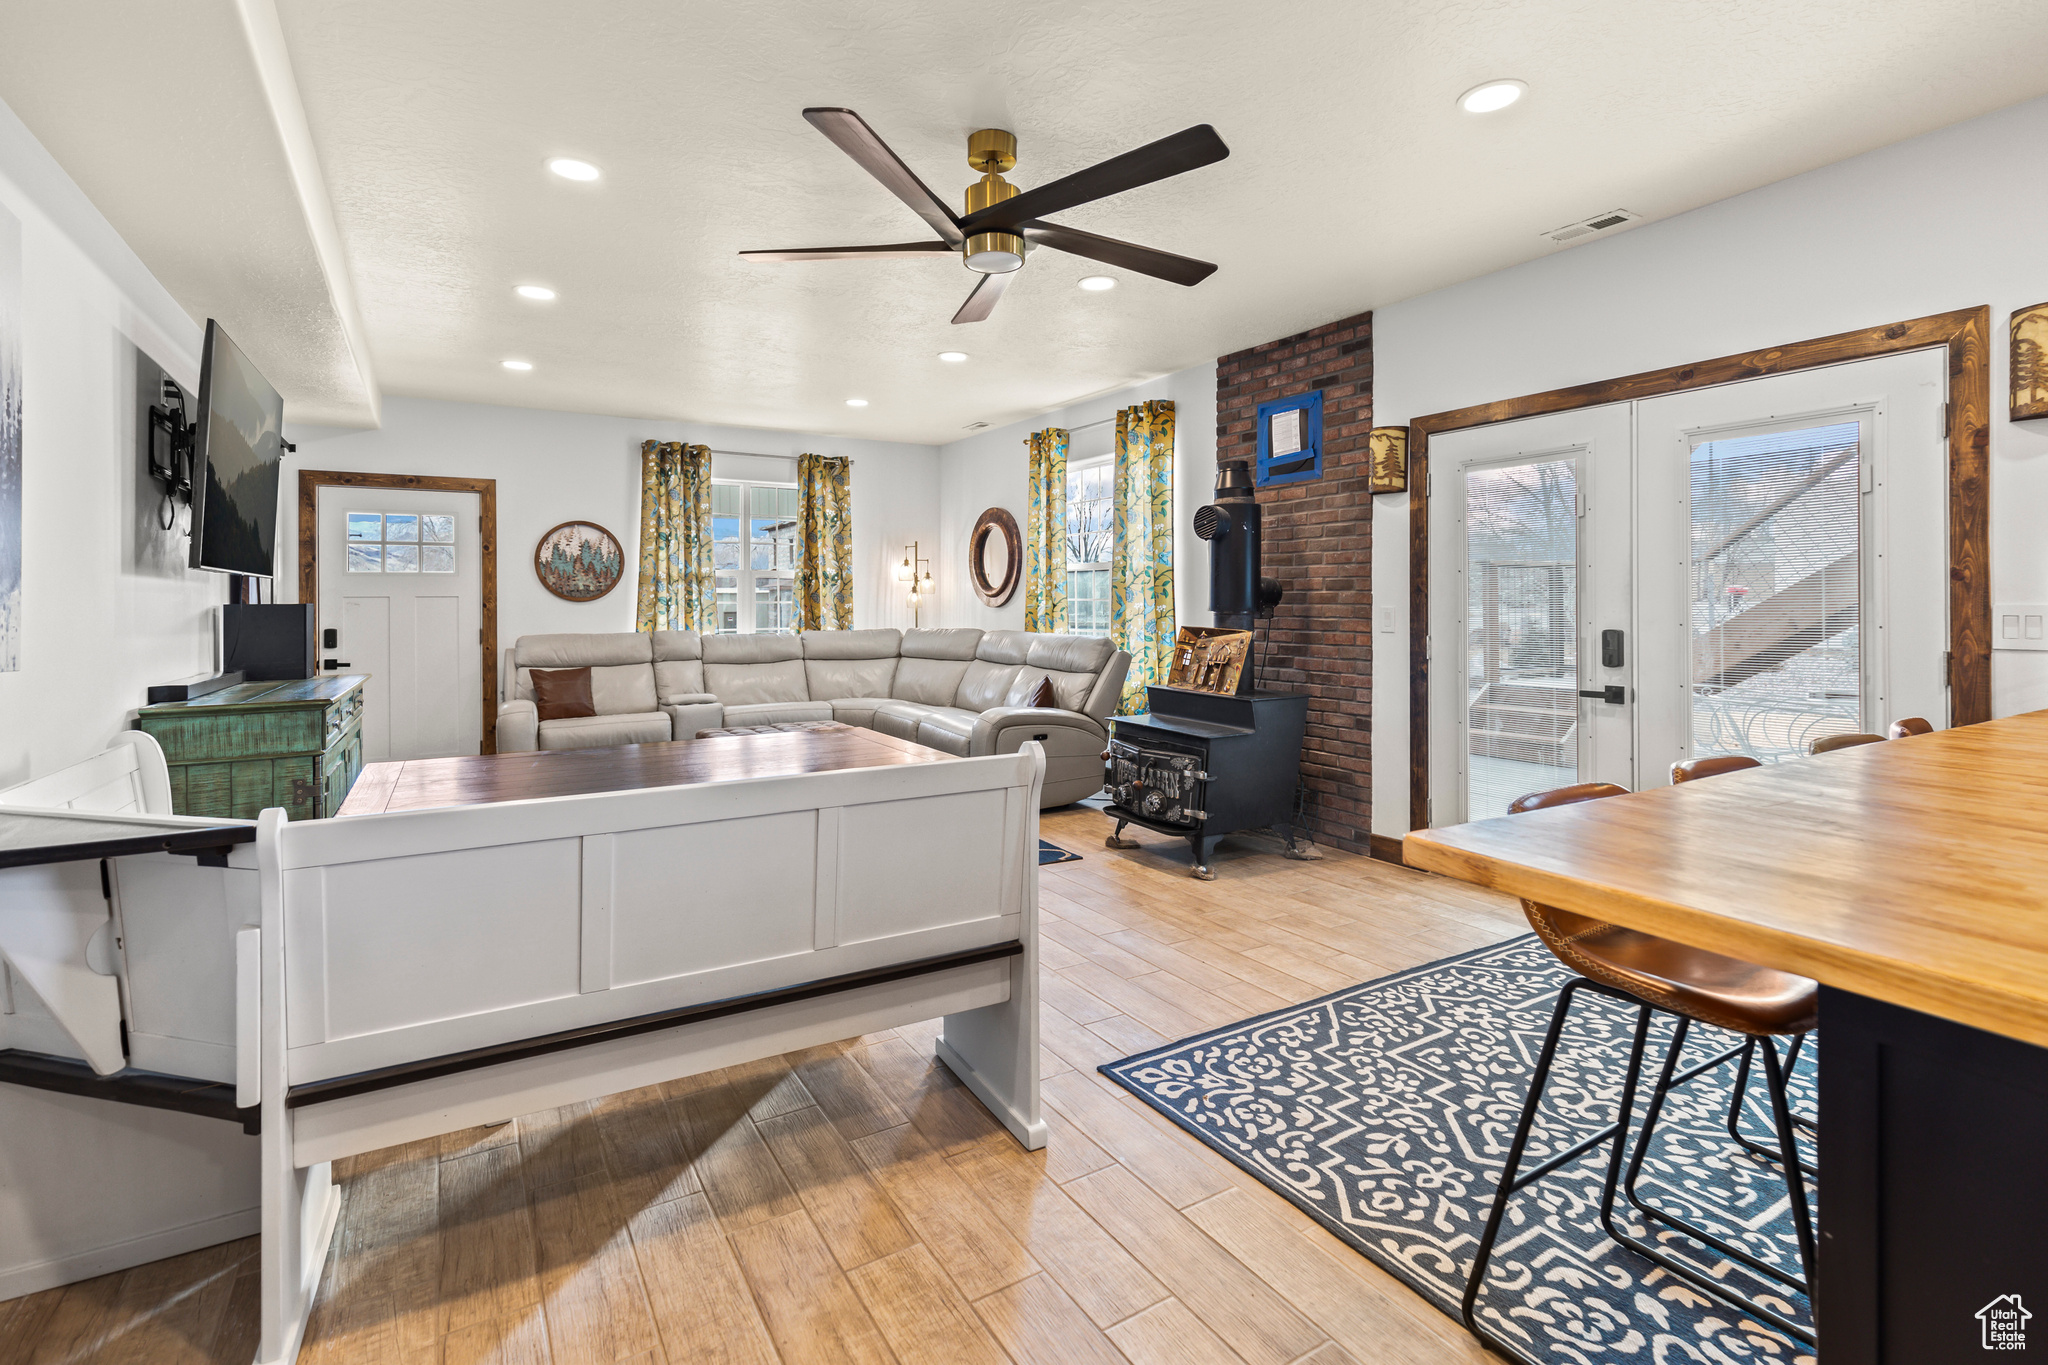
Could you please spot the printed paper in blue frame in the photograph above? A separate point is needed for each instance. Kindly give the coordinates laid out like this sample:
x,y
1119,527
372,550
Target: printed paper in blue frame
x,y
1304,464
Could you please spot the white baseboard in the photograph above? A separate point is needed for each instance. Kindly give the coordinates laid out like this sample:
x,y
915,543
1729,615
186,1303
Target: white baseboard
x,y
84,1265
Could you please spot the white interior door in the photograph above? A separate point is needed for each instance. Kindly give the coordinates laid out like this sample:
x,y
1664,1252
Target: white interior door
x,y
1530,564
1793,575
401,585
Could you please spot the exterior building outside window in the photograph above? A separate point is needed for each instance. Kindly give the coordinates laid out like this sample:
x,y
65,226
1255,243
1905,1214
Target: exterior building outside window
x,y
753,554
1091,525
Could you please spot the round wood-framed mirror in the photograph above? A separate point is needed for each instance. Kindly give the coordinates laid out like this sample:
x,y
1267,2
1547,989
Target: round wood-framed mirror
x,y
995,557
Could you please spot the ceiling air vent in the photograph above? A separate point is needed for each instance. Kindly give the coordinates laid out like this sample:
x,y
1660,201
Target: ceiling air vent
x,y
975,426
1601,222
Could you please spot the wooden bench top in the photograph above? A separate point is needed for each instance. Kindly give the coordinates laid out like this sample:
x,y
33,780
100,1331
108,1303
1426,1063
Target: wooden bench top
x,y
423,783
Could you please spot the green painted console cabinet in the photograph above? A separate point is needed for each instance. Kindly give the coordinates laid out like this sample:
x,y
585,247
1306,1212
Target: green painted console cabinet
x,y
242,749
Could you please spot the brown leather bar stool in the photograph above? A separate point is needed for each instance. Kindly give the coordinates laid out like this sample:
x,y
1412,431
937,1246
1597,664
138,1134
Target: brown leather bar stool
x,y
1657,975
1691,770
1911,725
1827,744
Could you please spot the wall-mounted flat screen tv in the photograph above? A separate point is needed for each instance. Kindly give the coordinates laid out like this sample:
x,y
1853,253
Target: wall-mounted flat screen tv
x,y
238,449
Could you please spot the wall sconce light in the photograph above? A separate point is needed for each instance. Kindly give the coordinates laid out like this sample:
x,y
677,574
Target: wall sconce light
x,y
1387,451
917,572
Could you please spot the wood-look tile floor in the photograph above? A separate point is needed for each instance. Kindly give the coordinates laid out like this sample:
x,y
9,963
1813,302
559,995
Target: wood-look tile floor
x,y
854,1202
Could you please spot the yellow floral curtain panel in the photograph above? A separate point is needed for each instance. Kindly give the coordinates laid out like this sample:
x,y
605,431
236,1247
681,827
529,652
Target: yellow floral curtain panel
x,y
1141,567
1045,534
824,555
677,588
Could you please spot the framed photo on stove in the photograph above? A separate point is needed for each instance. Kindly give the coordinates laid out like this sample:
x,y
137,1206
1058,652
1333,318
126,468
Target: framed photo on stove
x,y
1291,439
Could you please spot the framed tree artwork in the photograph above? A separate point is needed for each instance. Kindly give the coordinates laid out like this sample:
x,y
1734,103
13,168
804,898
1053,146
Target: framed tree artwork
x,y
579,561
2030,362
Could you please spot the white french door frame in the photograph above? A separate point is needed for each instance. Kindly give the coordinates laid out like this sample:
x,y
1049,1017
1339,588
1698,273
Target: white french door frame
x,y
1963,336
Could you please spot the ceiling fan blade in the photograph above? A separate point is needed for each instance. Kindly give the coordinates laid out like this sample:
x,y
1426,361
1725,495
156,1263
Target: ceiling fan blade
x,y
1163,265
851,253
1184,151
853,136
982,301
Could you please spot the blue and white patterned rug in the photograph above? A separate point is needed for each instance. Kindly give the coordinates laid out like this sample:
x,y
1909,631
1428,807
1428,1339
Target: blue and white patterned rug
x,y
1385,1111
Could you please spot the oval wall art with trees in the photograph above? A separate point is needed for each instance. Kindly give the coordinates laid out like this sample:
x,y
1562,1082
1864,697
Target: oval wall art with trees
x,y
579,561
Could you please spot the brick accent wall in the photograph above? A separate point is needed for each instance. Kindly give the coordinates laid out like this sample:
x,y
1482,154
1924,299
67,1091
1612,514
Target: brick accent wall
x,y
1318,543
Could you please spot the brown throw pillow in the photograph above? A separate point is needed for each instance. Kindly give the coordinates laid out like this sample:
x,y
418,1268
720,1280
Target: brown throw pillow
x,y
1045,696
560,693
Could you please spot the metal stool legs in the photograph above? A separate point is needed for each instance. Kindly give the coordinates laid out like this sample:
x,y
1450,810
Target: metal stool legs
x,y
1736,1101
1511,1180
1786,1158
1624,1166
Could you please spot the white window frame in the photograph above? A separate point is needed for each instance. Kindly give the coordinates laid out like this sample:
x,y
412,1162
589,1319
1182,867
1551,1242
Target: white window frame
x,y
1074,469
745,613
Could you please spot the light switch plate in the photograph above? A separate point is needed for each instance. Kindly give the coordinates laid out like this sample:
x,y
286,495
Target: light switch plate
x,y
1386,615
2019,625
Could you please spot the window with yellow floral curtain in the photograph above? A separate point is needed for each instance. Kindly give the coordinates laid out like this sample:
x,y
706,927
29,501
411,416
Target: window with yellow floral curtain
x,y
676,587
1045,534
824,543
1141,567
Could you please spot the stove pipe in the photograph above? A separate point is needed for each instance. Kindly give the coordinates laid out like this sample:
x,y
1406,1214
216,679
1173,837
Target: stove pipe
x,y
1231,526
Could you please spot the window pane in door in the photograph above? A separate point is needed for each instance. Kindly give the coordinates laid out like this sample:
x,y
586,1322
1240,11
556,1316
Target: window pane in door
x,y
365,526
1522,599
1775,589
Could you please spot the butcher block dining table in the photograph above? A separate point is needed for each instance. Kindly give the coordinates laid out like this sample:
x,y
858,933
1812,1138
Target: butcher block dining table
x,y
1910,878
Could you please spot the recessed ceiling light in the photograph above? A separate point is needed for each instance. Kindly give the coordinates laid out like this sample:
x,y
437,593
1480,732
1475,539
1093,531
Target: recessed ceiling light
x,y
517,364
1097,283
952,357
571,169
856,402
1485,99
534,291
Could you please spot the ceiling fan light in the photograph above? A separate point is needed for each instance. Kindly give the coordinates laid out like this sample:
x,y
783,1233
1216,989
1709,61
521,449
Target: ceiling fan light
x,y
994,260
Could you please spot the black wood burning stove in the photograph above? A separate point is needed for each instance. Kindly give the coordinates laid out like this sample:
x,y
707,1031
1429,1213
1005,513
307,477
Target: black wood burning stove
x,y
1203,765
1206,764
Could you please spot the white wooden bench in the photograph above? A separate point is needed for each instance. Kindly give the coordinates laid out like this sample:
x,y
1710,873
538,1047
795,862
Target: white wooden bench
x,y
88,1187
414,973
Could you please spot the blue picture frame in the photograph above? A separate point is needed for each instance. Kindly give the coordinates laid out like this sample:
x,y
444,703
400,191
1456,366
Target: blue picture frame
x,y
1300,466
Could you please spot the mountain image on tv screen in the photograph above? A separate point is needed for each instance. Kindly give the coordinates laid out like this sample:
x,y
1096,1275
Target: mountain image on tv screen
x,y
241,447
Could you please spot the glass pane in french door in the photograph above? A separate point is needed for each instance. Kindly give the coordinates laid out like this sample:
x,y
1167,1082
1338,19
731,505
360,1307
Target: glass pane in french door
x,y
1522,629
1776,606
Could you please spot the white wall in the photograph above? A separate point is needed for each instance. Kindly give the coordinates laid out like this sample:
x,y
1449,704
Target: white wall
x,y
98,625
992,468
1949,220
553,467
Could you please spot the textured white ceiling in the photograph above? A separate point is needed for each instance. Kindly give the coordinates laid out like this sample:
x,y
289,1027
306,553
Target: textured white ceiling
x,y
1354,181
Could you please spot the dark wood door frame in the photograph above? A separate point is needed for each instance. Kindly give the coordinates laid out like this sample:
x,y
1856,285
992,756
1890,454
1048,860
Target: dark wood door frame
x,y
311,481
1964,334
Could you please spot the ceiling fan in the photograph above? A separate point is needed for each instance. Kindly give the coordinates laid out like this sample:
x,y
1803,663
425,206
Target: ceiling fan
x,y
1000,219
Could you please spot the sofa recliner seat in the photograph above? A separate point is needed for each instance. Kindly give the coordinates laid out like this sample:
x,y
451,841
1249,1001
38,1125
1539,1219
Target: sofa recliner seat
x,y
961,691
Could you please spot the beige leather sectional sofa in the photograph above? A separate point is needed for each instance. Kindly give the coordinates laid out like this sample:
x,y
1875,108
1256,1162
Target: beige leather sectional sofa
x,y
965,692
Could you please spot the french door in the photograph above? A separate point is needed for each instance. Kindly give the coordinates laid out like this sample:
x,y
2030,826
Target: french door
x,y
1733,570
1532,569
